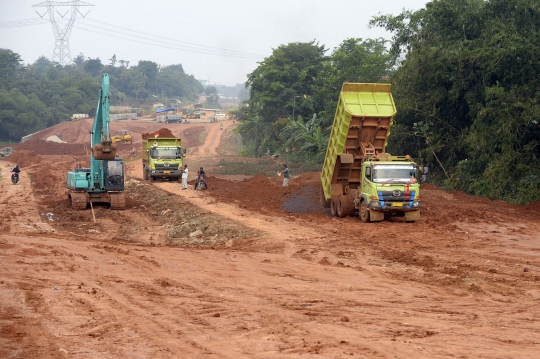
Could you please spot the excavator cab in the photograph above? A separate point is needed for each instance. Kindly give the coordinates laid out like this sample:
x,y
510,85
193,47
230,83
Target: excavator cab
x,y
114,175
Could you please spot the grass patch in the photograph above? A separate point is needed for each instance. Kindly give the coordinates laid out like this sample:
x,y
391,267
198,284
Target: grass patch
x,y
202,137
264,166
248,167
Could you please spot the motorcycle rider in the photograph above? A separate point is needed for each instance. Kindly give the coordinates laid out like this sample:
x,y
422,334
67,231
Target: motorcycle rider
x,y
200,177
15,170
221,126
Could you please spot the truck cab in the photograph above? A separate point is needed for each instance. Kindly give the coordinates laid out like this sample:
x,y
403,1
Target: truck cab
x,y
162,158
392,186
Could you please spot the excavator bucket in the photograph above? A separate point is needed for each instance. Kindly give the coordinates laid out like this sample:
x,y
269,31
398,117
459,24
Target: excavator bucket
x,y
106,151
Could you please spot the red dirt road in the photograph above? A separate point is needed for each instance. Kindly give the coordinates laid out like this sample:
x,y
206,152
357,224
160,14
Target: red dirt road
x,y
230,273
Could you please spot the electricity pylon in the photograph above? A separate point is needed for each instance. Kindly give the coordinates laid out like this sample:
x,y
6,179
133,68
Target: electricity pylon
x,y
61,52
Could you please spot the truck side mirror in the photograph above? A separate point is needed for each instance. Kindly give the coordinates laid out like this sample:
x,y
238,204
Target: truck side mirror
x,y
368,172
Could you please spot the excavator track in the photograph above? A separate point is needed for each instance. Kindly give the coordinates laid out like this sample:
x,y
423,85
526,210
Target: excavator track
x,y
78,200
118,200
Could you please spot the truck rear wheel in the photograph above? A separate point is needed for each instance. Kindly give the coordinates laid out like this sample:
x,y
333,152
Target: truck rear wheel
x,y
324,202
333,209
345,206
364,212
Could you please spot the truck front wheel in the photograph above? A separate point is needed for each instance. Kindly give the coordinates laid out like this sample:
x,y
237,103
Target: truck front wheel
x,y
145,174
364,212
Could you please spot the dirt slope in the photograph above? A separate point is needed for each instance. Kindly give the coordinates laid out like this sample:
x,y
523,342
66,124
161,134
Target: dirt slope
x,y
249,269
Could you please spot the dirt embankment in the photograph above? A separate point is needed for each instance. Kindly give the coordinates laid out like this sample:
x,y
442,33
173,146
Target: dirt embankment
x,y
251,269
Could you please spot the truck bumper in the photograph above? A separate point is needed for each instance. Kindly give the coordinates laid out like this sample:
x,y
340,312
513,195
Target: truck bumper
x,y
408,206
173,174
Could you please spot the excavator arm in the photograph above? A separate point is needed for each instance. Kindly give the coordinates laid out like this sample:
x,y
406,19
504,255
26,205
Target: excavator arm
x,y
103,147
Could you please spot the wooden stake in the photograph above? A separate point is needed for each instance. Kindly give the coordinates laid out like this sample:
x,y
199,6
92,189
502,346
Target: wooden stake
x,y
93,214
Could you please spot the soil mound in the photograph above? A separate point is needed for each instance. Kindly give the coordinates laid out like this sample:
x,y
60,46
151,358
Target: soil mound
x,y
193,136
534,206
41,147
267,194
164,132
24,158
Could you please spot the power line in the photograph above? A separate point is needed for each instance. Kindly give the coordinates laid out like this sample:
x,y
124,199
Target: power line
x,y
176,40
188,20
160,43
25,22
154,39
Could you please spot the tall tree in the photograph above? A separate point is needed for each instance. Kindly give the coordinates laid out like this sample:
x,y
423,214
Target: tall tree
x,y
355,60
10,64
150,70
112,60
93,66
290,71
20,115
467,93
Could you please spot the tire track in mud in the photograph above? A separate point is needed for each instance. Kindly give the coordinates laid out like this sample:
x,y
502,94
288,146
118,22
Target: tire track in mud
x,y
212,140
17,217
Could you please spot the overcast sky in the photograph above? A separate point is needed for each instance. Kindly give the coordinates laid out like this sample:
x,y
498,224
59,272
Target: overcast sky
x,y
215,40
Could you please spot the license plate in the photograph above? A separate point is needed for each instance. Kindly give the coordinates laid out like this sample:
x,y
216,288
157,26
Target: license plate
x,y
166,171
399,204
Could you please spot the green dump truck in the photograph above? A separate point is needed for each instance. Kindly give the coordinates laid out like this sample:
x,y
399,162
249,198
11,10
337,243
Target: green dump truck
x,y
358,176
162,158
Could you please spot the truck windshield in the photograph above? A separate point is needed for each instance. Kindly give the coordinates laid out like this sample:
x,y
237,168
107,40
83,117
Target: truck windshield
x,y
165,152
394,173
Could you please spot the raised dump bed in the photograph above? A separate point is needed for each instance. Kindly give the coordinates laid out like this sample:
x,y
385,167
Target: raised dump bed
x,y
361,127
356,155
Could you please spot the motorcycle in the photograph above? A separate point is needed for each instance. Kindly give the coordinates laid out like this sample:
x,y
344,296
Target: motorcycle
x,y
221,127
14,177
199,184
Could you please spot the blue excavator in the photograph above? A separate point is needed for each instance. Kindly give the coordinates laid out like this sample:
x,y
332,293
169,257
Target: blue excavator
x,y
103,182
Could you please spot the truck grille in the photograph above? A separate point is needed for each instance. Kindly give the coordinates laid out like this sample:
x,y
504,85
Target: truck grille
x,y
396,196
166,166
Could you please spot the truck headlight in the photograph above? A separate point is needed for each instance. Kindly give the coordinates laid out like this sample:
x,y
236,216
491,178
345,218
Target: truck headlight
x,y
153,172
416,204
375,204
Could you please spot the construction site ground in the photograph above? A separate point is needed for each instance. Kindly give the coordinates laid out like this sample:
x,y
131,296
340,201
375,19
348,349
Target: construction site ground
x,y
250,269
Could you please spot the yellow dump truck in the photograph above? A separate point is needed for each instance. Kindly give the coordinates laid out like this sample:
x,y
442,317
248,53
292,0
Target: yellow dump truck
x,y
162,158
358,176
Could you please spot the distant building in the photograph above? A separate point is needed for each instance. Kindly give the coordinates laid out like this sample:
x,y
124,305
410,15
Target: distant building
x,y
208,112
158,105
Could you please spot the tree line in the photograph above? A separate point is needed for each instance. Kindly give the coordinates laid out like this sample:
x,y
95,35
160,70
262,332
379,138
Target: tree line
x,y
465,77
42,94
